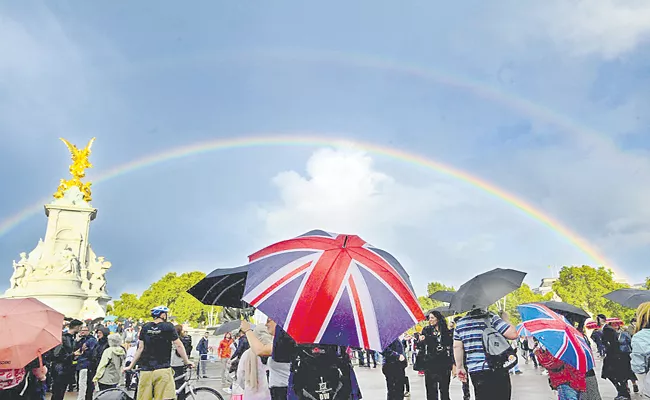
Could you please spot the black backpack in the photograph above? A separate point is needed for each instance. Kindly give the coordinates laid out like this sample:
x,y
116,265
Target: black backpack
x,y
187,343
321,372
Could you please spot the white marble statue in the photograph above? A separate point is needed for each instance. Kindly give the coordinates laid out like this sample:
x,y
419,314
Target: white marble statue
x,y
97,275
69,263
20,272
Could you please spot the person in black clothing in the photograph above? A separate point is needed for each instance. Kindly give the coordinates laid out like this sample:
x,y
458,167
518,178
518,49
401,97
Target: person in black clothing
x,y
394,370
436,343
616,364
62,355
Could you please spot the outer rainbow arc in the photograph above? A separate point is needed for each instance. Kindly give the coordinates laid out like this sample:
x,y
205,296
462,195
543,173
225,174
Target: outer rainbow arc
x,y
288,140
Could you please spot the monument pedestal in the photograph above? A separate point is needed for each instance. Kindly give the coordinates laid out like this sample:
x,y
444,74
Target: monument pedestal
x,y
63,270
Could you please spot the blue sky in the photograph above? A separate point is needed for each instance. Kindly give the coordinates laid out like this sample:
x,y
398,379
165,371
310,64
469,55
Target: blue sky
x,y
144,77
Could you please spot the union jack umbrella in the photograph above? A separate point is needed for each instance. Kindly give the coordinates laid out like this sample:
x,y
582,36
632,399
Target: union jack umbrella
x,y
562,340
522,331
329,288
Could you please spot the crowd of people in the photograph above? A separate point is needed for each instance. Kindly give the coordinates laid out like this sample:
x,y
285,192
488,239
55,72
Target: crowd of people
x,y
264,363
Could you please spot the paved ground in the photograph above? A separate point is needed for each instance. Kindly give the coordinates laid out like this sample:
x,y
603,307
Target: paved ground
x,y
531,385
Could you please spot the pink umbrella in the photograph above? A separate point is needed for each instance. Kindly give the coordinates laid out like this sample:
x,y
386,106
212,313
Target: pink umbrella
x,y
29,328
612,321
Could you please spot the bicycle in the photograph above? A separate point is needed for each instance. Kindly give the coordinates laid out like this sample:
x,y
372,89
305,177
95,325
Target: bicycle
x,y
191,392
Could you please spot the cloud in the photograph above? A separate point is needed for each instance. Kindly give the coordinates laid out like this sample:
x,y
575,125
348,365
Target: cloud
x,y
342,191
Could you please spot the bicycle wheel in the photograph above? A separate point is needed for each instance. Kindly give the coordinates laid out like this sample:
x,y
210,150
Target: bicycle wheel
x,y
204,393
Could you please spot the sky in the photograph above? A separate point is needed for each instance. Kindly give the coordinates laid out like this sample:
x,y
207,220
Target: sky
x,y
548,102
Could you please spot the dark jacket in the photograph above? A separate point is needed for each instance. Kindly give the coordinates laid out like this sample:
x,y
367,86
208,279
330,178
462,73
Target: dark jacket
x,y
393,351
242,346
84,361
438,349
102,344
202,347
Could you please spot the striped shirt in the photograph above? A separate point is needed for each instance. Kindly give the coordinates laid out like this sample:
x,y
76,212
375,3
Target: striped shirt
x,y
469,330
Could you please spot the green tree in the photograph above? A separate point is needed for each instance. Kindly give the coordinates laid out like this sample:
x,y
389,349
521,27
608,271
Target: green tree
x,y
426,303
585,286
647,283
170,291
523,295
433,287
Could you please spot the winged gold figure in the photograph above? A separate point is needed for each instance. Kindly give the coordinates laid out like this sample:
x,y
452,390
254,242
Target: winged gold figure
x,y
78,168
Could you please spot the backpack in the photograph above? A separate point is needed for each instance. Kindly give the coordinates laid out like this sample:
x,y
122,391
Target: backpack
x,y
187,343
321,372
499,355
10,378
625,342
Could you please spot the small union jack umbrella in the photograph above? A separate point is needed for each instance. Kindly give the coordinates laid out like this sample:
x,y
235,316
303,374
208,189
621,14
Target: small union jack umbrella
x,y
562,340
336,289
522,331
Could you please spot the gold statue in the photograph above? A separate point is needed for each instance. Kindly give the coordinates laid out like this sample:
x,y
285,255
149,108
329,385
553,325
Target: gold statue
x,y
78,170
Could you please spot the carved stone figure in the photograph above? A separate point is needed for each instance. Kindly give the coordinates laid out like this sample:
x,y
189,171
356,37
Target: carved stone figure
x,y
97,275
20,272
69,262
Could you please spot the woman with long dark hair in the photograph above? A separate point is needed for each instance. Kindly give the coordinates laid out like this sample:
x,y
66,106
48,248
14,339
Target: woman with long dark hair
x,y
436,343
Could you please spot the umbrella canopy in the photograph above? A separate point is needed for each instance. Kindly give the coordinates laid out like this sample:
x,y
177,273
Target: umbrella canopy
x,y
566,308
444,310
229,327
222,287
442,295
485,289
29,328
630,298
336,289
110,318
611,321
522,331
562,340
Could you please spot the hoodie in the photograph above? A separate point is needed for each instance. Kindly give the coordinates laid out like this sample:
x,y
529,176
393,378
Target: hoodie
x,y
641,351
110,367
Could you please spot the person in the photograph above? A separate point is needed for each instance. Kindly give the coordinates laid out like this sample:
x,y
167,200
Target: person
x,y
640,357
395,363
62,368
224,353
109,370
616,364
570,383
503,314
597,337
489,383
436,343
129,375
83,351
202,348
251,372
466,391
176,361
23,383
154,358
625,345
631,329
279,350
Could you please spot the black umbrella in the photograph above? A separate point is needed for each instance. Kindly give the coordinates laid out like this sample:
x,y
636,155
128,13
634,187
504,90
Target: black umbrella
x,y
442,295
630,298
228,327
222,287
485,289
444,310
566,308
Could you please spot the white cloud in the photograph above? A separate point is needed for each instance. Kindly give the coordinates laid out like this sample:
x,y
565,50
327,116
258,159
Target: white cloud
x,y
609,28
344,192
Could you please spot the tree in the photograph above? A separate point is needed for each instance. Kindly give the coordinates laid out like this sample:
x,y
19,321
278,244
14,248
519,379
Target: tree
x,y
426,303
647,283
433,287
170,291
585,286
523,295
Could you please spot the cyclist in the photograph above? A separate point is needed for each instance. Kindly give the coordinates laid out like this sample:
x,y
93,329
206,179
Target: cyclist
x,y
153,357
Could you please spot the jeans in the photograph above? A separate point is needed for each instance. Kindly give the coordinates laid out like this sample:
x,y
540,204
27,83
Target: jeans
x,y
225,375
437,383
491,385
566,392
279,393
371,356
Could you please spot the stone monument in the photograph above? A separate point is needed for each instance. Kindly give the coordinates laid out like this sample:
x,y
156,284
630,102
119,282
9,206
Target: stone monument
x,y
63,271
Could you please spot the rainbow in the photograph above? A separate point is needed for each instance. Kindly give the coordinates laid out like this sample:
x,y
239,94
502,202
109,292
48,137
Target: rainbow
x,y
290,140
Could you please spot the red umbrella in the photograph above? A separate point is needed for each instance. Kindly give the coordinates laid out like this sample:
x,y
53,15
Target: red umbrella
x,y
612,321
28,328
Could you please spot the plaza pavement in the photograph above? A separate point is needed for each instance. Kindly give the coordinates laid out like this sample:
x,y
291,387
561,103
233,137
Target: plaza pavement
x,y
531,385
